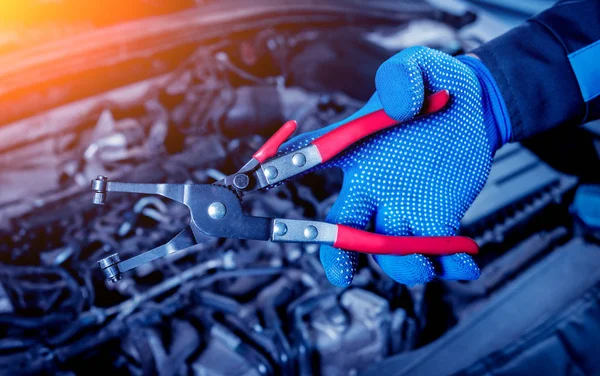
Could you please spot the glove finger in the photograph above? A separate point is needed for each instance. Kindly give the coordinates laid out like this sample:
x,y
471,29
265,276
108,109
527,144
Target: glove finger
x,y
352,208
339,265
409,270
460,266
403,80
415,269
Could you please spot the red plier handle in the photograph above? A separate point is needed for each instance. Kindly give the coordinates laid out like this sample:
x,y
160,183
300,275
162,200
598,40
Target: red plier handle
x,y
322,149
334,142
352,239
339,139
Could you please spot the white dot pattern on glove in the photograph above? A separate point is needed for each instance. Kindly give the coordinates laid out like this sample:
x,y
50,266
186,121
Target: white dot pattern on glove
x,y
418,178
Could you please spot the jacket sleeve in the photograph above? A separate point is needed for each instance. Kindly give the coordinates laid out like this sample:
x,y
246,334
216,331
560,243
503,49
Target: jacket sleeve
x,y
548,69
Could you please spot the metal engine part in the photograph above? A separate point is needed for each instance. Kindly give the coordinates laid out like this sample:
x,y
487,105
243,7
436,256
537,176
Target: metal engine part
x,y
350,333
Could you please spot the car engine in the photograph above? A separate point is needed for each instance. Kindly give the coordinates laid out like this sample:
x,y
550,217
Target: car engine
x,y
187,95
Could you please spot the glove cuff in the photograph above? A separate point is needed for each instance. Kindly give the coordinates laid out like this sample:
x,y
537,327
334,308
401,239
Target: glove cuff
x,y
495,113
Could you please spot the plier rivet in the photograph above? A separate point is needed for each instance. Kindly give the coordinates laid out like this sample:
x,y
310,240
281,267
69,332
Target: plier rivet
x,y
217,210
299,159
241,181
310,232
271,172
280,229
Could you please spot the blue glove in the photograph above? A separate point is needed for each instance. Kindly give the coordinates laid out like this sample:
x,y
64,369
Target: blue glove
x,y
418,178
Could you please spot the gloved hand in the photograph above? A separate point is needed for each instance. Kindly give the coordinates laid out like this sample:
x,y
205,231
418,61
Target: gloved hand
x,y
418,178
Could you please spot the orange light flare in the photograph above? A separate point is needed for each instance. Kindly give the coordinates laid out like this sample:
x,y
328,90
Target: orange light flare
x,y
54,52
25,23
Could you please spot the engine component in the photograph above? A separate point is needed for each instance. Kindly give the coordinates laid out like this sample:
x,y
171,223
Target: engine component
x,y
520,187
351,334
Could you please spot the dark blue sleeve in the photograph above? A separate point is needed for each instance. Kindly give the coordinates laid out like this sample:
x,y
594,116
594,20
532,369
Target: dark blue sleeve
x,y
548,69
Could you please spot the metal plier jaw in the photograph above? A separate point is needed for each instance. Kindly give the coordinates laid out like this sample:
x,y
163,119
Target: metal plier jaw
x,y
216,209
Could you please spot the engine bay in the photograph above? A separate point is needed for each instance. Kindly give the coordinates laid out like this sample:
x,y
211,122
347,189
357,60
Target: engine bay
x,y
188,97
